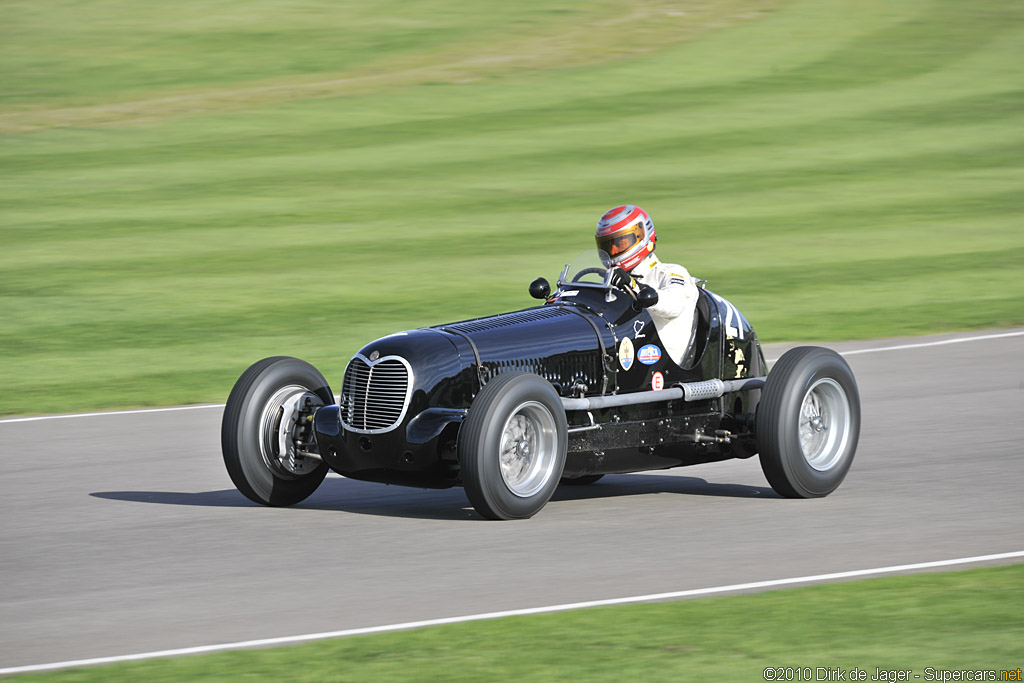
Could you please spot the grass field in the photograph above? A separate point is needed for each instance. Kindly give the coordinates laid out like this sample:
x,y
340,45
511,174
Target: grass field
x,y
970,620
188,187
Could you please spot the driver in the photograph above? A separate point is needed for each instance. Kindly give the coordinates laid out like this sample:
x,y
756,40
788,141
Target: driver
x,y
626,236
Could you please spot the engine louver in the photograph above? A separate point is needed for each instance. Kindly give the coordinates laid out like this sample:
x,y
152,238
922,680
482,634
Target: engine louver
x,y
530,315
375,395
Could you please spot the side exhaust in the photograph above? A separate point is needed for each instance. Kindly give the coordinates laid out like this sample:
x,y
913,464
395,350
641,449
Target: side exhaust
x,y
692,391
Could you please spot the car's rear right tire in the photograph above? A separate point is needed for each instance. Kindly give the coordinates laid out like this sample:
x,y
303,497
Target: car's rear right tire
x,y
808,422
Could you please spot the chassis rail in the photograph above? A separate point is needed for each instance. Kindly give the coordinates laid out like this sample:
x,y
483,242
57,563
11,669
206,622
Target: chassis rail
x,y
691,391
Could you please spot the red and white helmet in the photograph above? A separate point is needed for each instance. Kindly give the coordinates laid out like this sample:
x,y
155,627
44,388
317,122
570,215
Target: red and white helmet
x,y
626,235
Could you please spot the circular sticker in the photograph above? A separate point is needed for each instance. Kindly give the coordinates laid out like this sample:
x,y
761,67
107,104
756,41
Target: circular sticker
x,y
626,354
649,354
658,381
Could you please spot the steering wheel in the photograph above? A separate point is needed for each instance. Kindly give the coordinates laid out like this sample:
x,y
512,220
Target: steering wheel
x,y
589,271
620,280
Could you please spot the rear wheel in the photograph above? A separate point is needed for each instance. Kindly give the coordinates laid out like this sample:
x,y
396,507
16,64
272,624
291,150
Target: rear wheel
x,y
512,446
265,436
808,422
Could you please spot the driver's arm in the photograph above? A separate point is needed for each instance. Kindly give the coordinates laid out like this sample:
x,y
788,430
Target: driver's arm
x,y
677,293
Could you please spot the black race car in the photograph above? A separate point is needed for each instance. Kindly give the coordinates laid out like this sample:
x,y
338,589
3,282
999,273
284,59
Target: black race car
x,y
509,406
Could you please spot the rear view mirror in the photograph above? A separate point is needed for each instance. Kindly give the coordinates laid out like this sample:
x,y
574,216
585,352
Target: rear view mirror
x,y
647,296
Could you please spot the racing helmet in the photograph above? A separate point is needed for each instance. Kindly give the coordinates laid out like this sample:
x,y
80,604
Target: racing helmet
x,y
626,236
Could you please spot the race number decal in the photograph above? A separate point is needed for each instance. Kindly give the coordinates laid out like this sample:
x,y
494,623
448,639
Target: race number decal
x,y
626,354
658,381
734,320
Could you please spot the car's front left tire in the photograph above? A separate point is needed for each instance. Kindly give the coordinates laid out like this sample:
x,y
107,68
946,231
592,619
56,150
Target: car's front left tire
x,y
266,446
512,446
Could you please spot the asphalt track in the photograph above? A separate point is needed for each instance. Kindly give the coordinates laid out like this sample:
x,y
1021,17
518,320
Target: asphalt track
x,y
123,534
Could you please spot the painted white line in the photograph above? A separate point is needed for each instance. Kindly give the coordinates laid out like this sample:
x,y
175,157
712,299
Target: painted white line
x,y
112,412
771,360
943,342
922,345
265,642
136,411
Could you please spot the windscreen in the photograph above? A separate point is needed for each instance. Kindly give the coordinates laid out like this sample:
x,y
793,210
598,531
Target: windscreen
x,y
587,268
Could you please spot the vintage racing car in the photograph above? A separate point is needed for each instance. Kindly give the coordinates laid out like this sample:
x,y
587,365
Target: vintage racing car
x,y
509,406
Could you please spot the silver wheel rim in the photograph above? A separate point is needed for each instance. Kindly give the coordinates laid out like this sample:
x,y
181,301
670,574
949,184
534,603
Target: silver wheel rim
x,y
824,424
527,453
278,421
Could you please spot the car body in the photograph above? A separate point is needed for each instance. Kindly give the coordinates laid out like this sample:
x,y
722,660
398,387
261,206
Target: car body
x,y
509,405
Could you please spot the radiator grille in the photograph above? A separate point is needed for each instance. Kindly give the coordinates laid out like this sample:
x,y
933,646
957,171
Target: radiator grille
x,y
375,395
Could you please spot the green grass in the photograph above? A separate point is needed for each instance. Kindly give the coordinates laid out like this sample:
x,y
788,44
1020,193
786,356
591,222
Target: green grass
x,y
951,621
188,187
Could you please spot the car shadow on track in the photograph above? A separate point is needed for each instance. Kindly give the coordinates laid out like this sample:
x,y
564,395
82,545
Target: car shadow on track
x,y
615,485
359,497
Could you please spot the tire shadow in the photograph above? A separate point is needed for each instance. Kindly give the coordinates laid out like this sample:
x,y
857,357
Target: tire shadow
x,y
340,494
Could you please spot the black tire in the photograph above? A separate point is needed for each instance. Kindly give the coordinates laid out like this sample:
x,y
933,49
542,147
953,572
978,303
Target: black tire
x,y
521,408
585,480
808,422
249,431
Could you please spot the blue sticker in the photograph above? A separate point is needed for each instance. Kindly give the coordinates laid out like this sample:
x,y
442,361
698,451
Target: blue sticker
x,y
649,355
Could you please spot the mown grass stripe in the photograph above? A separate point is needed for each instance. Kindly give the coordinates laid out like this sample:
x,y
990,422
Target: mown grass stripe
x,y
982,106
769,147
632,102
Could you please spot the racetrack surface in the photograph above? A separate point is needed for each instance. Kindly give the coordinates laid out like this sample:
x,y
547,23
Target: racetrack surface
x,y
123,533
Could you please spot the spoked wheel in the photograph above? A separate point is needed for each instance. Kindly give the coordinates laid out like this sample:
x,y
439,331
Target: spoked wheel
x,y
808,422
825,419
512,446
266,437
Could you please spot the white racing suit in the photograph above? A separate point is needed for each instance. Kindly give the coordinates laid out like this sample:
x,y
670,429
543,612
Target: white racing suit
x,y
674,314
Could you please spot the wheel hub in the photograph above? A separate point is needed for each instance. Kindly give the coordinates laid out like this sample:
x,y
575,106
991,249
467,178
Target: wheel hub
x,y
281,428
527,450
824,424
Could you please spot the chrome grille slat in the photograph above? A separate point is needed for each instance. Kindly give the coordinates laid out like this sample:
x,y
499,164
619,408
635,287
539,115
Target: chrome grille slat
x,y
375,394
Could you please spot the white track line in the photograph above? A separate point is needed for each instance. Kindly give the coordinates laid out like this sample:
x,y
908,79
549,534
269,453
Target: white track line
x,y
112,412
137,411
943,342
221,405
265,642
922,345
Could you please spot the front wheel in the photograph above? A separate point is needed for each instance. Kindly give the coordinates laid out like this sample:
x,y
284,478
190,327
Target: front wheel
x,y
512,446
266,437
808,422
